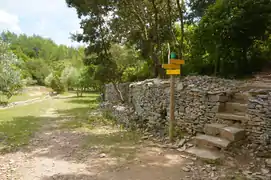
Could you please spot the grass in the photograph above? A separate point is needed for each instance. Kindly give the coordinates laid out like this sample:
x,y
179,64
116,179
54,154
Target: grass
x,y
23,97
102,132
18,124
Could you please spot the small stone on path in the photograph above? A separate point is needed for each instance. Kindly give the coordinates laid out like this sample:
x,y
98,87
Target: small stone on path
x,y
102,155
265,171
185,169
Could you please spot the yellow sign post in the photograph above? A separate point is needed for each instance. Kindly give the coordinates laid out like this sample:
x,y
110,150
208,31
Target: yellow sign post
x,y
174,72
172,68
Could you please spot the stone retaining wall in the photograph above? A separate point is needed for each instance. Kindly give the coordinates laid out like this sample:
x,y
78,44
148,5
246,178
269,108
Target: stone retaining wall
x,y
198,99
111,94
259,126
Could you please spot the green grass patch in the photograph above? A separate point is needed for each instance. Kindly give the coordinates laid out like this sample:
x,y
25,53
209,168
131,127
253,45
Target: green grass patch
x,y
23,97
18,124
78,109
103,134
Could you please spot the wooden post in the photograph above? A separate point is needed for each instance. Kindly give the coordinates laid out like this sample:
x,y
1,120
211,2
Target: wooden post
x,y
172,68
172,107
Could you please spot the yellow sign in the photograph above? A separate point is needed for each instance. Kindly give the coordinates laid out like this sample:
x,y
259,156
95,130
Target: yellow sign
x,y
176,61
174,72
171,66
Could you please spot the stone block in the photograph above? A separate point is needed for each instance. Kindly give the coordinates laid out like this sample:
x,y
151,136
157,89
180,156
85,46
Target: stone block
x,y
211,141
205,154
213,129
213,98
223,99
232,133
235,107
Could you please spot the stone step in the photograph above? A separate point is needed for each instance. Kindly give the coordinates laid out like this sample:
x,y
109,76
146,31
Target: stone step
x,y
213,129
224,131
232,133
205,154
233,117
211,141
240,98
235,107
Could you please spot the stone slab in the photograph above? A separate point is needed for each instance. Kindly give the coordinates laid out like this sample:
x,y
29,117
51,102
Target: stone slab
x,y
240,97
211,141
205,154
233,117
232,133
213,129
235,107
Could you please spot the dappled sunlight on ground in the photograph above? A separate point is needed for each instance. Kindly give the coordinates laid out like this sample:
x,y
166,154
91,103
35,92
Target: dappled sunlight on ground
x,y
74,141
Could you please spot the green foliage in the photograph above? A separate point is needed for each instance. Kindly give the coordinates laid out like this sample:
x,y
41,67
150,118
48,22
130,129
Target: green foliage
x,y
68,77
38,69
224,41
53,80
10,75
40,56
223,37
198,8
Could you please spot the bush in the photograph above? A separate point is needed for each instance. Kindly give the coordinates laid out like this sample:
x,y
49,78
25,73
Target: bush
x,y
38,69
53,81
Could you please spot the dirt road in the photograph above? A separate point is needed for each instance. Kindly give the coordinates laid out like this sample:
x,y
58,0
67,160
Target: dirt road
x,y
70,146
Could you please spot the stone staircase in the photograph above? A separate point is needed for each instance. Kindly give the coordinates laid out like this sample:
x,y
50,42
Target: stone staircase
x,y
219,137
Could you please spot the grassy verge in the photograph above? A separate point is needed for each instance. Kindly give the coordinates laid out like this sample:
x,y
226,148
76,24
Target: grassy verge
x,y
18,124
103,134
23,97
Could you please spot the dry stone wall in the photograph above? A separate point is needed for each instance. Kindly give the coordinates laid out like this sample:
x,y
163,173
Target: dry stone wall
x,y
198,99
259,125
111,94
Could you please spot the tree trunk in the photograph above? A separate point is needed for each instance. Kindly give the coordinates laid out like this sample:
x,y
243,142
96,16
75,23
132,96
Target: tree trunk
x,y
77,92
118,93
181,12
81,92
157,65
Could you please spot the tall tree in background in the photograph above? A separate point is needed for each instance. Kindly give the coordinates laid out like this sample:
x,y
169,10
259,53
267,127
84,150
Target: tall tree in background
x,y
226,34
198,8
10,75
146,24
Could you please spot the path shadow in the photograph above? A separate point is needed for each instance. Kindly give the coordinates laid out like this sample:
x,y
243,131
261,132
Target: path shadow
x,y
91,95
17,133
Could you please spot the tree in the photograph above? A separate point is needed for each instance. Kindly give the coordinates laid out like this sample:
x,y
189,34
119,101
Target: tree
x,y
198,8
68,77
38,55
224,38
10,75
110,22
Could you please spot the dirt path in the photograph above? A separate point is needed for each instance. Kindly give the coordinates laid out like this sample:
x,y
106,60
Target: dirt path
x,y
100,152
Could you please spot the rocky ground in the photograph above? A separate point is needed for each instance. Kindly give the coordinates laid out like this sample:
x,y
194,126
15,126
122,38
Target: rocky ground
x,y
67,148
